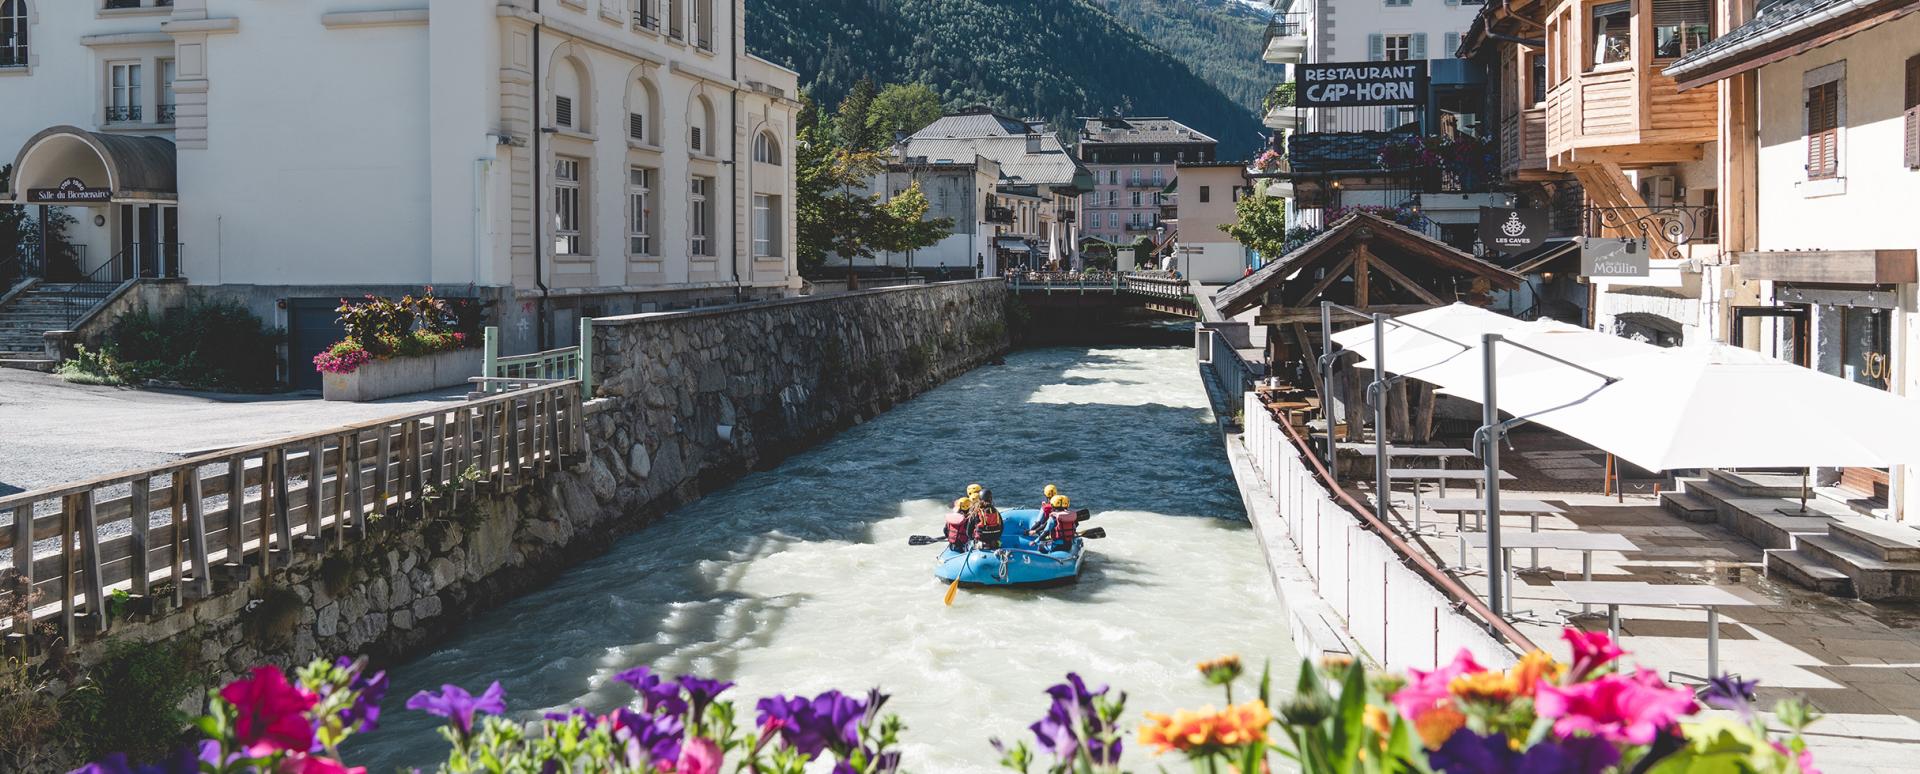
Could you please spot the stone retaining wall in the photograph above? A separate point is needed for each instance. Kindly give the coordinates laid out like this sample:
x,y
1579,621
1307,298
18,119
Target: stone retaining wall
x,y
688,402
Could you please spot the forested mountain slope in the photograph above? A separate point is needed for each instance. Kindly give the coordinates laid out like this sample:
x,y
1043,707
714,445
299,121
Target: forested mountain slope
x,y
1052,59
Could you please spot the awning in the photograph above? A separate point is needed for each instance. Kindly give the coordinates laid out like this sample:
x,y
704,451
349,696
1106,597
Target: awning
x,y
1660,409
69,165
1012,245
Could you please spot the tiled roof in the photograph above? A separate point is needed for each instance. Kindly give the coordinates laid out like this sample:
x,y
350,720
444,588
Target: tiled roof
x,y
975,122
1774,16
1124,130
1052,166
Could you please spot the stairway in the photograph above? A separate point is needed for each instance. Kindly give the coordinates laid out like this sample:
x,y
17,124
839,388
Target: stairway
x,y
1833,549
24,321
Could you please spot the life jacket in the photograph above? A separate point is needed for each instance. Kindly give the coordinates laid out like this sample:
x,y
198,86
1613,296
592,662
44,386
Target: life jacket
x,y
989,520
1062,526
956,528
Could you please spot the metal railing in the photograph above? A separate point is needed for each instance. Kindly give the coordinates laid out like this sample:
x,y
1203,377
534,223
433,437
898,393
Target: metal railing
x,y
166,113
141,542
117,114
13,56
1286,25
646,21
498,373
1671,225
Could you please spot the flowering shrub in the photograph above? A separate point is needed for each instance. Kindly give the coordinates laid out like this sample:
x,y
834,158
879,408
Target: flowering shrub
x,y
1540,716
381,328
1270,161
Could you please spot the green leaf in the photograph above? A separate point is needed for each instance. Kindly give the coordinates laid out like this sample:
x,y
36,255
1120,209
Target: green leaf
x,y
1347,731
1266,683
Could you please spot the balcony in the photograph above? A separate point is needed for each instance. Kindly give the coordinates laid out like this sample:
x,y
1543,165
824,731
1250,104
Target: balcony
x,y
1146,182
1626,116
166,113
123,114
1000,215
1286,38
1282,118
1523,143
646,21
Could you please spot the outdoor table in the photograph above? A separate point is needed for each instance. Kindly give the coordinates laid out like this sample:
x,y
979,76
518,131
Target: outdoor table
x,y
1519,506
1613,594
1584,542
1420,476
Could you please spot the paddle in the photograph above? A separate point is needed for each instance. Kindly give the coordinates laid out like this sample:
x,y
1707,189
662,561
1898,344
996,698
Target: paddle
x,y
924,540
1094,534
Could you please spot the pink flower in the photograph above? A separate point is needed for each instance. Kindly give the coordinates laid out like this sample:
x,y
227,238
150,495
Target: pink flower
x,y
699,756
1591,650
314,764
270,713
1615,707
1428,690
1804,760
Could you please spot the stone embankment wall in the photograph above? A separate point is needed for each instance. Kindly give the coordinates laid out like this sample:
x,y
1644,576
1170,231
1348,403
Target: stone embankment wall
x,y
688,401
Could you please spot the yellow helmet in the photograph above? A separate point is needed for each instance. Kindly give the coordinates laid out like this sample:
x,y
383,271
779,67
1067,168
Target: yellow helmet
x,y
963,503
974,489
1050,491
1060,501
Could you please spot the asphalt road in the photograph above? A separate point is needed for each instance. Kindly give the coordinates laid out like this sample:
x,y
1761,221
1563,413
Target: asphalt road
x,y
52,431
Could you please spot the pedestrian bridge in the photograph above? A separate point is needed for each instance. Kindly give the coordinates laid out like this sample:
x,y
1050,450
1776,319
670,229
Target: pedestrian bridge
x,y
1158,291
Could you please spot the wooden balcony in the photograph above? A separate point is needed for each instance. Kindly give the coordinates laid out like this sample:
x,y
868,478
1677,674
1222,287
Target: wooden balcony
x,y
1626,116
1523,143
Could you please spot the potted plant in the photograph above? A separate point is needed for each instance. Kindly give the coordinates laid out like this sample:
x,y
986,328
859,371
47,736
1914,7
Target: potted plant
x,y
399,346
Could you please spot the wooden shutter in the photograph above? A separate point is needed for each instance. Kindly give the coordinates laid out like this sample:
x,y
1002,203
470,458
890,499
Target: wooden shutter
x,y
1823,130
1453,45
1417,49
1913,112
563,111
637,126
1376,47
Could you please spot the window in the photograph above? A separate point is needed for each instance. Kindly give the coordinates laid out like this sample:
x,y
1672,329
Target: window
x,y
1136,198
563,111
1398,3
1159,177
639,211
1823,130
1396,48
700,199
1206,194
700,23
1612,32
1680,26
1113,177
646,14
766,150
167,70
1113,220
676,19
640,111
1113,198
700,134
568,219
1709,226
1537,69
766,226
1133,220
123,97
1913,112
13,33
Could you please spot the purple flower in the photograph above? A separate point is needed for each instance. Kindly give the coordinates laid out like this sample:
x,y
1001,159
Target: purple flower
x,y
1729,692
700,691
576,712
183,761
1469,753
364,715
1073,722
455,704
658,736
831,720
656,694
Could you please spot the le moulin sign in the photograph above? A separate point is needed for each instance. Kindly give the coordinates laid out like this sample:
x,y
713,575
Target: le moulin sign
x,y
1611,257
71,191
1346,84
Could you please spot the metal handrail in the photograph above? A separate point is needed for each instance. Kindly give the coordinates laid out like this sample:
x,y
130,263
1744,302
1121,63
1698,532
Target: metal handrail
x,y
1463,597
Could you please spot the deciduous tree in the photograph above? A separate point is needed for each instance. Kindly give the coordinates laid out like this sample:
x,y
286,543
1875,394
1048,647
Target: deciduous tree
x,y
1261,224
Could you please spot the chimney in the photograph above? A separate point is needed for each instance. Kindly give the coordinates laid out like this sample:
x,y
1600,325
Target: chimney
x,y
1033,142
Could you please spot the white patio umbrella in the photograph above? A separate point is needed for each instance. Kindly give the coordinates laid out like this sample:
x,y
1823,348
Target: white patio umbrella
x,y
1535,375
1428,338
1725,407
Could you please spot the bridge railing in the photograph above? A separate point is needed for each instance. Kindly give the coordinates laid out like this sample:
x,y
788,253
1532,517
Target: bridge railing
x,y
1065,282
1157,284
140,542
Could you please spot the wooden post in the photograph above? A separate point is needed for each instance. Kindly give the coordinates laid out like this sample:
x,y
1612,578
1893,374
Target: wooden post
x,y
489,441
67,550
553,427
197,533
359,486
268,509
510,440
236,511
1362,296
177,561
412,468
90,561
586,358
282,518
383,483
316,489
342,492
23,551
490,357
140,509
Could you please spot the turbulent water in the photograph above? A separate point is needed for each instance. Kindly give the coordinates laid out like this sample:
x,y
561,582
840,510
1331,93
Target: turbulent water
x,y
800,578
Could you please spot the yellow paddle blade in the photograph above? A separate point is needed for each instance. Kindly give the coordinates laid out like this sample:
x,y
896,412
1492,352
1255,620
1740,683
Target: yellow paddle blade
x,y
952,589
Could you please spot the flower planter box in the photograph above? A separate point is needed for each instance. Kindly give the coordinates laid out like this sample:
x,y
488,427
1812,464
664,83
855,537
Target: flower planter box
x,y
402,375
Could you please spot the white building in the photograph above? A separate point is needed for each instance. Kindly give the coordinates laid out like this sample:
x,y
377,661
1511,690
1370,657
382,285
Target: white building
x,y
559,157
1325,31
1828,133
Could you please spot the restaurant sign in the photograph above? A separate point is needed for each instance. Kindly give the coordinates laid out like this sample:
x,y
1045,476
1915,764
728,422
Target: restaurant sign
x,y
71,191
1347,84
1609,257
1512,230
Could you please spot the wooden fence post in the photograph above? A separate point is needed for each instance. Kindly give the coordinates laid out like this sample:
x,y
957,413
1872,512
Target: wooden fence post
x,y
236,511
140,509
586,357
197,533
490,357
90,561
282,510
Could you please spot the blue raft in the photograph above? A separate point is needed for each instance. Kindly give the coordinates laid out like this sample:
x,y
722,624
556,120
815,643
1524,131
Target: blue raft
x,y
1018,562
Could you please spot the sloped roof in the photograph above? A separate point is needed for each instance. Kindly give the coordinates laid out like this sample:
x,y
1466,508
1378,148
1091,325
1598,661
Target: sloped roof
x,y
1118,130
1775,22
974,122
1052,166
1248,291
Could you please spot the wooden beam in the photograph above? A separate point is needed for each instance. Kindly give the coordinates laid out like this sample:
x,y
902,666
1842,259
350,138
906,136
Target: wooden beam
x,y
1312,357
1362,294
1845,267
1281,316
1333,275
1424,294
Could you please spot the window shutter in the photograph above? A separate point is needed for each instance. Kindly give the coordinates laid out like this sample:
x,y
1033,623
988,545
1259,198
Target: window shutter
x,y
698,138
1913,112
1823,130
1419,48
1453,45
637,126
563,111
1376,47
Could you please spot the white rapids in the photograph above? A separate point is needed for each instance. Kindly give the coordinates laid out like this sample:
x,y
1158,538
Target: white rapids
x,y
800,579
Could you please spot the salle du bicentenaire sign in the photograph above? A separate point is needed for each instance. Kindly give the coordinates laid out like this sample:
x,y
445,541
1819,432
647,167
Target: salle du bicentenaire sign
x,y
1363,83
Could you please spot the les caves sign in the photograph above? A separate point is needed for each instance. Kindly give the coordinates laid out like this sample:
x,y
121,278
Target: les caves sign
x,y
1349,84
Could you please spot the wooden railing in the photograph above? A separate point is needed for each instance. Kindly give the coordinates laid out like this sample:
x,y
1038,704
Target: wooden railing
x,y
145,540
575,362
1523,141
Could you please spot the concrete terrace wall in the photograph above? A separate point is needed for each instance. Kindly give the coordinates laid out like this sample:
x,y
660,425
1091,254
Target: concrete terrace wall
x,y
778,376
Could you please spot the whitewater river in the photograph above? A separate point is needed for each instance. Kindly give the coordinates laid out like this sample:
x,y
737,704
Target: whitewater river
x,y
800,579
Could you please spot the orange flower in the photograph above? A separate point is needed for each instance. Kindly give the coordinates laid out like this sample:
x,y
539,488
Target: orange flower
x,y
1534,667
1435,725
1221,671
1208,729
1491,687
1377,719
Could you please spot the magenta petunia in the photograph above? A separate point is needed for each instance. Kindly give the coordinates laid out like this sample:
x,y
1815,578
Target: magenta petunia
x,y
1591,650
699,756
1619,708
1427,690
270,713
